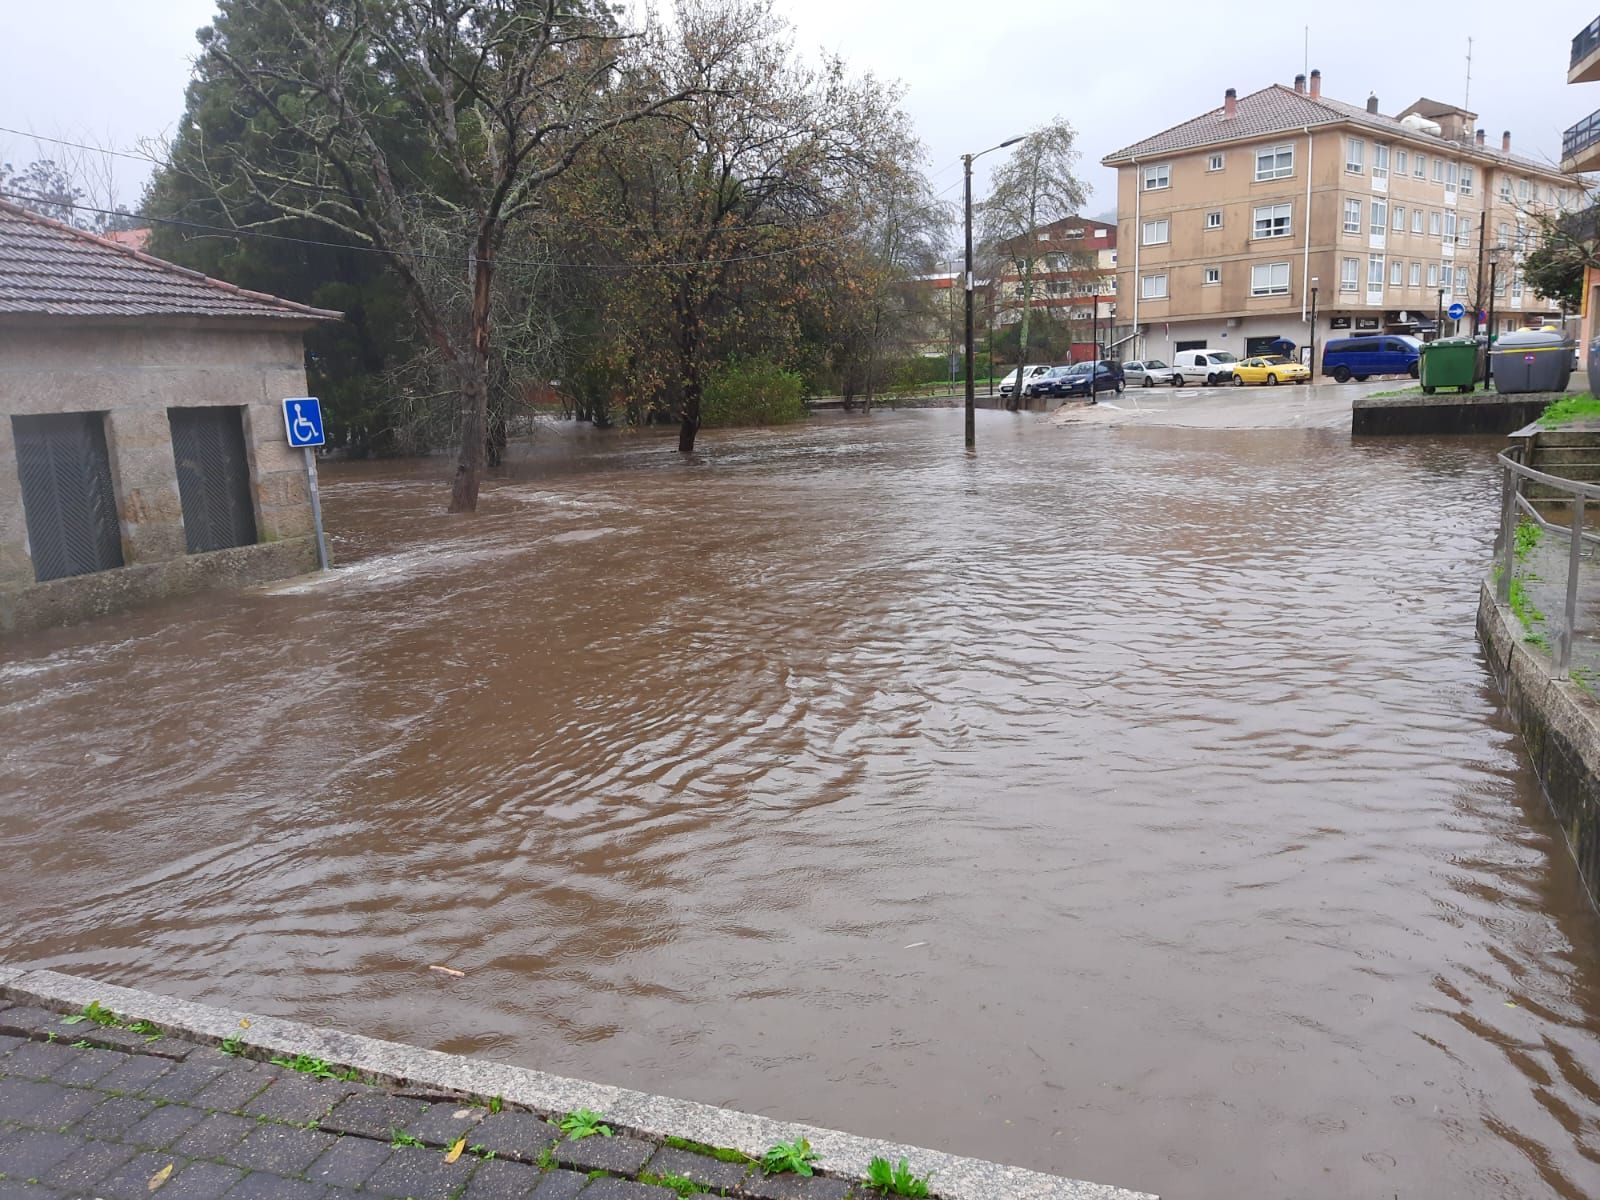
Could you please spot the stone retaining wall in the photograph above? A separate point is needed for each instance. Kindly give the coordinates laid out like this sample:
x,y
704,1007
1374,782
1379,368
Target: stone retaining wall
x,y
1560,726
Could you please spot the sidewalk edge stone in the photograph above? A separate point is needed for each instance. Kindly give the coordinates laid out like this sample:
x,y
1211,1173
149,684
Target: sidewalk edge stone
x,y
650,1116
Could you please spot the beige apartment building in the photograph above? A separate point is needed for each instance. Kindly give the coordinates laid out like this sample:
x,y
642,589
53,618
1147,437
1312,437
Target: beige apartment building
x,y
1287,214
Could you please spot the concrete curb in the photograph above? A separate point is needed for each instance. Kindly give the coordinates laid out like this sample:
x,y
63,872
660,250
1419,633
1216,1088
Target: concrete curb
x,y
1560,729
649,1116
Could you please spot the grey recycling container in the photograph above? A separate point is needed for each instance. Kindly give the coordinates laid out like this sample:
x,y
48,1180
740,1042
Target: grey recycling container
x,y
1594,367
1532,360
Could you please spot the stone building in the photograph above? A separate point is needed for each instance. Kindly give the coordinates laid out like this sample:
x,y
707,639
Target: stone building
x,y
142,450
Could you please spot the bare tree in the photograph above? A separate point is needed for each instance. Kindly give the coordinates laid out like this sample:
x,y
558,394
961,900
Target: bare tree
x,y
501,97
1036,186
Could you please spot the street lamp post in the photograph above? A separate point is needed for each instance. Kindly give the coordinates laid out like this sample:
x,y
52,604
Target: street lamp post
x,y
1312,365
1488,354
1438,325
972,420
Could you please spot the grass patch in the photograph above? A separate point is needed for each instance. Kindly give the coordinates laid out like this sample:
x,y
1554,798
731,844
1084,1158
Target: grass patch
x,y
1527,539
319,1067
1584,678
1569,409
399,1137
1527,614
1393,392
720,1153
681,1184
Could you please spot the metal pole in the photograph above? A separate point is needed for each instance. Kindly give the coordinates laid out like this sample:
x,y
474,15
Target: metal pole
x,y
1313,363
1488,350
316,508
972,421
1573,557
1508,539
1438,326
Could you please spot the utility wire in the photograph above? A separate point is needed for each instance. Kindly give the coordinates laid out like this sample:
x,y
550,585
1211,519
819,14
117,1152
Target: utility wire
x,y
39,137
224,231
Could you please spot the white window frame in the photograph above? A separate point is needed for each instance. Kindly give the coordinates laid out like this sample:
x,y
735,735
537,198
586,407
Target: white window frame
x,y
1153,287
1279,222
1452,176
1277,169
1350,274
1401,162
1418,216
1211,277
1272,287
1355,156
1398,220
1216,162
1156,232
1419,166
1438,169
1505,187
1447,276
1505,234
1352,207
1156,177
1463,281
1522,189
1416,274
1375,272
1379,217
1397,273
1433,275
1464,229
1450,223
1380,160
1466,179
1435,223
1214,219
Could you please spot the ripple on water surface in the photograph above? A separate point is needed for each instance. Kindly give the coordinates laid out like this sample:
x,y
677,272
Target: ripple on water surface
x,y
1128,804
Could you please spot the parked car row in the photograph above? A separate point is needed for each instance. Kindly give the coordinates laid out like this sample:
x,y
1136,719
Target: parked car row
x,y
1072,379
1344,359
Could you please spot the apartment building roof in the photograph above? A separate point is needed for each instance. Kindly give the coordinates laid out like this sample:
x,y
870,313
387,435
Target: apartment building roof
x,y
1093,236
51,269
1279,108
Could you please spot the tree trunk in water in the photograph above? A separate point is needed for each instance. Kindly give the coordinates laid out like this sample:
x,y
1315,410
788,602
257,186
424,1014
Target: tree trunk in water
x,y
1015,401
475,386
689,363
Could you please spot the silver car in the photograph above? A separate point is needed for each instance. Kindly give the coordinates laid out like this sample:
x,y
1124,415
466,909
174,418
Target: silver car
x,y
1149,373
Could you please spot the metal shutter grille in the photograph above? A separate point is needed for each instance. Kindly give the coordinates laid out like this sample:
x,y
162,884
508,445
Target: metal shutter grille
x,y
213,478
67,496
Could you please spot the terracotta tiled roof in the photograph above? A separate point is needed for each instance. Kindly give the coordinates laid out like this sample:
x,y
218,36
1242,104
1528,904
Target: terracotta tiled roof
x,y
51,269
1281,109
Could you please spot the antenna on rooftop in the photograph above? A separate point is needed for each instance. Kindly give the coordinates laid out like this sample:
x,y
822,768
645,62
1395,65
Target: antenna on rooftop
x,y
1466,100
1306,69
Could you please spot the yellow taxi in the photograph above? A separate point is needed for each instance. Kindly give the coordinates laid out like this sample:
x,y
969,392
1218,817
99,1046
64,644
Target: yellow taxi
x,y
1269,368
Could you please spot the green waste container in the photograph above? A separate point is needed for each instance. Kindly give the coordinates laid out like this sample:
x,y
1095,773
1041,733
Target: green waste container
x,y
1449,362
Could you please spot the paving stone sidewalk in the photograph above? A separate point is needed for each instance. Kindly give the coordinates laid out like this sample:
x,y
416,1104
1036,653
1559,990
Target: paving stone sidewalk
x,y
92,1110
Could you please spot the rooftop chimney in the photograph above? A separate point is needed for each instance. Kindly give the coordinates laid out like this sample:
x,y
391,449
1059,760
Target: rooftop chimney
x,y
1505,142
1481,134
1300,84
1230,104
1316,83
1372,103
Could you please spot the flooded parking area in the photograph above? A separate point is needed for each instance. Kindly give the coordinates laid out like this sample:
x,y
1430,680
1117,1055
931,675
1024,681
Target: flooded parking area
x,y
1130,803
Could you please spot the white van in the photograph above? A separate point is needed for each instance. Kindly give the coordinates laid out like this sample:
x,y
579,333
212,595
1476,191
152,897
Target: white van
x,y
1203,366
1033,375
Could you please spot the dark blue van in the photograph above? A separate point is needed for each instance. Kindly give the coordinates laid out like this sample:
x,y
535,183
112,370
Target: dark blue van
x,y
1375,354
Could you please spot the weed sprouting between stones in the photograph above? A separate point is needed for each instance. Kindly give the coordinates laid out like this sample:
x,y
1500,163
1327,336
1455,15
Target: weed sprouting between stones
x,y
720,1153
583,1123
796,1156
321,1068
896,1180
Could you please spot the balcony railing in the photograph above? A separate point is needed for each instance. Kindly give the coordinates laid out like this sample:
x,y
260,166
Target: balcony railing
x,y
1586,43
1580,137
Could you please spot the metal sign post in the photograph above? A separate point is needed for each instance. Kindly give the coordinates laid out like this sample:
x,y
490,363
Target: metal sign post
x,y
302,422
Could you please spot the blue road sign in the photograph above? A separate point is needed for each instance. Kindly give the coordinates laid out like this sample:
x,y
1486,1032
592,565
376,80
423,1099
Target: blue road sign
x,y
302,420
1456,311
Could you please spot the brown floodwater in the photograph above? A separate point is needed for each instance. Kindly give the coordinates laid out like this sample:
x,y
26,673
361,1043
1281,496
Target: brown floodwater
x,y
1133,804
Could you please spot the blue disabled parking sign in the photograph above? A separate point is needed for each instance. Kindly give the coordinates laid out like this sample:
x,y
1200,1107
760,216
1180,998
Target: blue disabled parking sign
x,y
302,419
1457,311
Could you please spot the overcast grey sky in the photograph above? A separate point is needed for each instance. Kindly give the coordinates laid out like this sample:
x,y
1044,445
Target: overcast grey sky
x,y
113,71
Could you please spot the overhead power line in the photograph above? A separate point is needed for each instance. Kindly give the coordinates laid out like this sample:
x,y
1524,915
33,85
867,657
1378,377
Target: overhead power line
x,y
39,137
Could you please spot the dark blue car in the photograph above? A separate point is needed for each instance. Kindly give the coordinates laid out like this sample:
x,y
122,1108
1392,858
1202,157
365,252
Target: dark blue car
x,y
1104,376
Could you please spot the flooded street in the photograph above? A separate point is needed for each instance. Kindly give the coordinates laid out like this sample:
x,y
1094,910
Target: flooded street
x,y
1131,803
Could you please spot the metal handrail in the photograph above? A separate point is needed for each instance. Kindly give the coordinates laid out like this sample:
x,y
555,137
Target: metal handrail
x,y
1581,136
1585,43
1515,506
